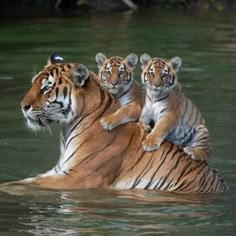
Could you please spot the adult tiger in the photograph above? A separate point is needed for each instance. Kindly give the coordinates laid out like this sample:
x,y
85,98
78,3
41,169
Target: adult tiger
x,y
69,94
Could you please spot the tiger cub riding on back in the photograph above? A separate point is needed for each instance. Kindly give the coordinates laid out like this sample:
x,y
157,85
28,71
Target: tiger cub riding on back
x,y
168,113
116,77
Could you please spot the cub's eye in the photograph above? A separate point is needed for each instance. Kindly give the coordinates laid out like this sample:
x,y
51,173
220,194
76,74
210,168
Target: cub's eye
x,y
165,73
107,71
151,72
121,72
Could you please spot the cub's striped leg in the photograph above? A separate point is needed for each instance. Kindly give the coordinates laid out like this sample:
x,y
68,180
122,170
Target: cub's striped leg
x,y
199,148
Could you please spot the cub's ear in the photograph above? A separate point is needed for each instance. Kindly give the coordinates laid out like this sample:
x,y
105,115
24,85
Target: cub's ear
x,y
80,75
132,60
100,59
176,63
54,59
144,59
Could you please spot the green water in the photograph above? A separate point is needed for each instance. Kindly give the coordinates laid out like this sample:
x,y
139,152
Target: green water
x,y
207,45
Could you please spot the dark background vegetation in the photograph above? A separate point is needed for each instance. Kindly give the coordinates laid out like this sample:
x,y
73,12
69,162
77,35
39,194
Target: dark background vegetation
x,y
34,8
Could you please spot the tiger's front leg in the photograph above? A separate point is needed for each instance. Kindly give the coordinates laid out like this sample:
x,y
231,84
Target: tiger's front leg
x,y
159,133
123,115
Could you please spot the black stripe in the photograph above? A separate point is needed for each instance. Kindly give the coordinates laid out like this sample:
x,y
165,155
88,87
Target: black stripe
x,y
171,146
164,177
74,152
211,184
143,172
185,185
125,92
163,98
183,170
59,103
65,92
56,92
66,173
104,110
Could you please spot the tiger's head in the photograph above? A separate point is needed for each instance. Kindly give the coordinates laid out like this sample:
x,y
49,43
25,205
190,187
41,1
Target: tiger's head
x,y
115,73
53,93
158,73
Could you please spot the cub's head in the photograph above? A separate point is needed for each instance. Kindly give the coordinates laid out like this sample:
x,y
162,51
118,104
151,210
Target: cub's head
x,y
158,73
115,73
52,96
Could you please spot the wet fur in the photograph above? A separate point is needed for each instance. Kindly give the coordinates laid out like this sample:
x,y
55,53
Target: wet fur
x,y
91,157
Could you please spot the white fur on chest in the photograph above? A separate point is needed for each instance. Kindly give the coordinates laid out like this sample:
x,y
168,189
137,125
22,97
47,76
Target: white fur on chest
x,y
155,110
124,100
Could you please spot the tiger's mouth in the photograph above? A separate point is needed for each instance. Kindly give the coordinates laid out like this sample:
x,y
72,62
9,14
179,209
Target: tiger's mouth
x,y
37,122
113,90
156,87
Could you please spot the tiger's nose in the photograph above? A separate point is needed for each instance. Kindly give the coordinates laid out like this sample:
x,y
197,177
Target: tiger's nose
x,y
26,107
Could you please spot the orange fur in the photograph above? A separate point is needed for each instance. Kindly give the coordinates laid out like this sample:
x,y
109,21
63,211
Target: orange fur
x,y
116,77
174,116
90,156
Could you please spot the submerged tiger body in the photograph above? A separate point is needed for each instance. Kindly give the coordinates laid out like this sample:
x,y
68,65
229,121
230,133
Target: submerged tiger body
x,y
174,116
69,94
116,77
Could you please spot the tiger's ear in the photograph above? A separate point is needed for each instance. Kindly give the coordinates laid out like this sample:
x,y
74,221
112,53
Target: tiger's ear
x,y
176,63
144,59
100,59
54,59
132,60
80,75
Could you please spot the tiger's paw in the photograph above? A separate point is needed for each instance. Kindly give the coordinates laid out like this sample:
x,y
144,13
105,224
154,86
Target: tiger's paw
x,y
106,123
150,144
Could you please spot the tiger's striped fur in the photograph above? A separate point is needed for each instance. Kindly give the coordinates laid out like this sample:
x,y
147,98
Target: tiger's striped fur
x,y
116,77
174,116
90,156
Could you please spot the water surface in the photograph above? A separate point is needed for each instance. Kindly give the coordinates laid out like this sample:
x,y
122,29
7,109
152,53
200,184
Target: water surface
x,y
207,45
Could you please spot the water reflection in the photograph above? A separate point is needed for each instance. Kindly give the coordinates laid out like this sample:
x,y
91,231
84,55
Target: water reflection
x,y
114,212
207,45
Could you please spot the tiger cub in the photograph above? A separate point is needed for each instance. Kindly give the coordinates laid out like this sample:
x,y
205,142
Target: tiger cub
x,y
116,76
168,113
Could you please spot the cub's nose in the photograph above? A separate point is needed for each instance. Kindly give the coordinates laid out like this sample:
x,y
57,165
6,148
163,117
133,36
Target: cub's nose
x,y
114,82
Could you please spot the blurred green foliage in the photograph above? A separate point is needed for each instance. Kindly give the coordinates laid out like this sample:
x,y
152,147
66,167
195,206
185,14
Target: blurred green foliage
x,y
216,5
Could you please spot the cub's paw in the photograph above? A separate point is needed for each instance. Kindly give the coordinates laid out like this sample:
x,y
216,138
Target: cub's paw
x,y
150,144
189,151
196,154
147,128
107,123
